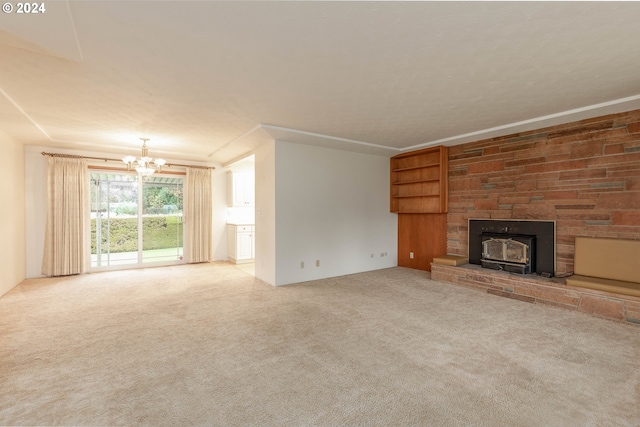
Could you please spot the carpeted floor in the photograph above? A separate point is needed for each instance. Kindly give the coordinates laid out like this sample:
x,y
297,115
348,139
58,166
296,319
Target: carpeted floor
x,y
211,345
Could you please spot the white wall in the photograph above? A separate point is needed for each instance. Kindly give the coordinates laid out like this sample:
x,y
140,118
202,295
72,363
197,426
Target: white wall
x,y
219,213
35,188
36,200
265,213
13,252
331,206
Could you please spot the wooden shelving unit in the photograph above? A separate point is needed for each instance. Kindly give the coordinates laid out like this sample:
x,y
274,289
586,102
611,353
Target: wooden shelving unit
x,y
419,181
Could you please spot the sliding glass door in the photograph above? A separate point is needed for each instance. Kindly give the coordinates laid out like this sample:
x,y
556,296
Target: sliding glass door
x,y
114,219
162,220
135,221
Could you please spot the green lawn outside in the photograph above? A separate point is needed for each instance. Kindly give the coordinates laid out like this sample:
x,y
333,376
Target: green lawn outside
x,y
123,258
159,232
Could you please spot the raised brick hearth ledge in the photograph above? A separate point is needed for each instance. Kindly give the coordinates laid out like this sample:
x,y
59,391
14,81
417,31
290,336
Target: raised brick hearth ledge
x,y
535,289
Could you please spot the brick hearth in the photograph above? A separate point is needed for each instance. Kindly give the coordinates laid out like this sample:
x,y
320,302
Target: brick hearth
x,y
535,289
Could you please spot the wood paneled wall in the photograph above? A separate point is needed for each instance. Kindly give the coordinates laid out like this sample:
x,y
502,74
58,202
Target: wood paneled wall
x,y
423,234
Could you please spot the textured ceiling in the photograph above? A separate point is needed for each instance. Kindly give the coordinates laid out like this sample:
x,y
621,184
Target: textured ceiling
x,y
210,80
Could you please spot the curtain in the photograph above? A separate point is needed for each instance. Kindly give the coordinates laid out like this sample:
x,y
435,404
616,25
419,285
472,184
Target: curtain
x,y
197,211
66,249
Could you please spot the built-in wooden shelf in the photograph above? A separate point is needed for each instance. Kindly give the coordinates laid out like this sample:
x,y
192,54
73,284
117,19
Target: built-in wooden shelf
x,y
435,165
416,181
419,181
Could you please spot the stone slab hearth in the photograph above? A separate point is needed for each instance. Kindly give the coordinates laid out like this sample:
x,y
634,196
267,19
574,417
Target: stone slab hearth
x,y
532,288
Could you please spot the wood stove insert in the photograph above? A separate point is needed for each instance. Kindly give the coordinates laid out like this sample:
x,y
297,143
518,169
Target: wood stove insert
x,y
508,252
517,246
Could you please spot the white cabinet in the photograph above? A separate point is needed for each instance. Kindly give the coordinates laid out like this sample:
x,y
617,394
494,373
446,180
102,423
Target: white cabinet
x,y
240,189
240,241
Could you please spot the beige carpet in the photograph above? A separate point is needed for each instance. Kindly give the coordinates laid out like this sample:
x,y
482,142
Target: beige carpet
x,y
211,345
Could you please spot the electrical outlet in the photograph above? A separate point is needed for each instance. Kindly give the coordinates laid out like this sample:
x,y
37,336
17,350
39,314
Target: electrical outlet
x,y
381,254
411,255
301,264
317,263
371,255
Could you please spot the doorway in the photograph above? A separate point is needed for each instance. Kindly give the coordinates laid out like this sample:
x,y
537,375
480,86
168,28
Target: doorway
x,y
241,211
135,221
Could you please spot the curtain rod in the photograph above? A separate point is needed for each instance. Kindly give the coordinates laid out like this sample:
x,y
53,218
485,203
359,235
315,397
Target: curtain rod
x,y
106,159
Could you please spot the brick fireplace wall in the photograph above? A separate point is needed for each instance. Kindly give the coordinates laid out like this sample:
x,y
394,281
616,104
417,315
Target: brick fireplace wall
x,y
584,175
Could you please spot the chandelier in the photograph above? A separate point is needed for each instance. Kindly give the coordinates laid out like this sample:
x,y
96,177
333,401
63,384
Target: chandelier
x,y
145,165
